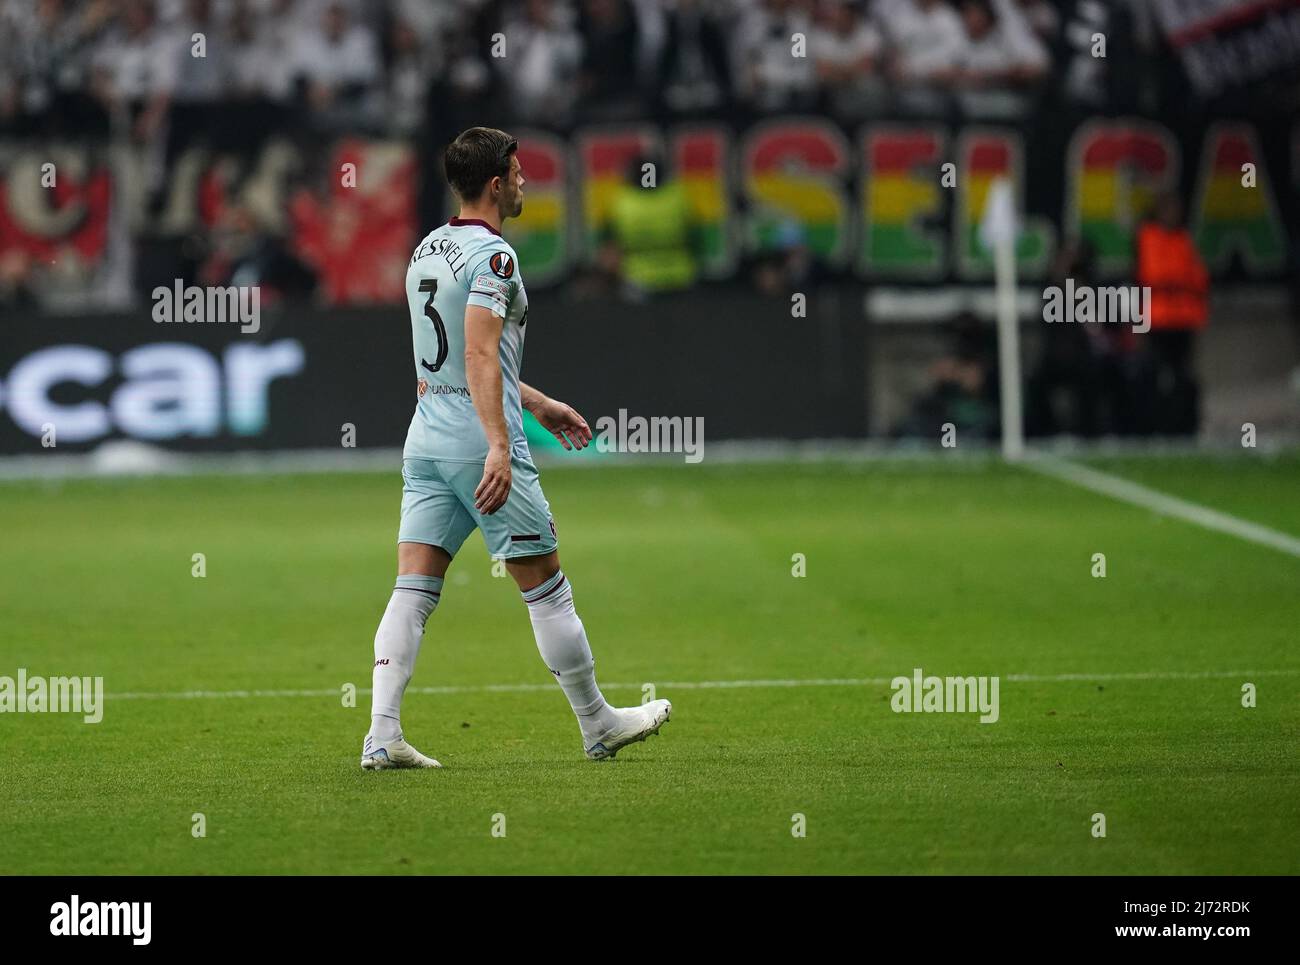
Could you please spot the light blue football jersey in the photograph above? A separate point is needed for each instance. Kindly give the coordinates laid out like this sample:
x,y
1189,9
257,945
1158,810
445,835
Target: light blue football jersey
x,y
465,262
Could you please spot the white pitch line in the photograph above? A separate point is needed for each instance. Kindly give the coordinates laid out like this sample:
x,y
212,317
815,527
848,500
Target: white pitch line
x,y
1162,503
717,684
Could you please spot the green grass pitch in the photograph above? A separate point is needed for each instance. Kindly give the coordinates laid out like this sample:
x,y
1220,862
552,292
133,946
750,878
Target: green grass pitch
x,y
682,574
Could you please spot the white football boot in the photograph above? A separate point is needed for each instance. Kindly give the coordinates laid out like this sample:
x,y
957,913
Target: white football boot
x,y
382,755
635,724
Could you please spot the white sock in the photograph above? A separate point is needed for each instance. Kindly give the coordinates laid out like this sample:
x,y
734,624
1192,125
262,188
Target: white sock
x,y
397,644
562,642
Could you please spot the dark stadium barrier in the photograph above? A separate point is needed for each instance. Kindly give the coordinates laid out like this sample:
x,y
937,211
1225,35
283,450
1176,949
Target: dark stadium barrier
x,y
738,360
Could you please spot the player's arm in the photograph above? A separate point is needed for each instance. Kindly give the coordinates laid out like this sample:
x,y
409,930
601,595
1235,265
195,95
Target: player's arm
x,y
560,420
483,373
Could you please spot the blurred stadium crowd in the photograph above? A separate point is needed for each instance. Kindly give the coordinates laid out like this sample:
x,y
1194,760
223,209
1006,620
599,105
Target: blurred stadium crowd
x,y
162,77
395,67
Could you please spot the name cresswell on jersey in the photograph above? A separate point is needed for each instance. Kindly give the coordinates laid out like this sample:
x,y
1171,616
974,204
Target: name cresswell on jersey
x,y
450,251
422,388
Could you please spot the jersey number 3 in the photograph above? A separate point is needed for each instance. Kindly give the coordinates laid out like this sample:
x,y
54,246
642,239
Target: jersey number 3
x,y
430,285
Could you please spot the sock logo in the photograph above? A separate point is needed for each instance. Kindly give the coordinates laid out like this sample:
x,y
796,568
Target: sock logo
x,y
381,662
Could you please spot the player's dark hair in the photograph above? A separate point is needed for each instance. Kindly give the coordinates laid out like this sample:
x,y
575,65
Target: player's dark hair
x,y
478,155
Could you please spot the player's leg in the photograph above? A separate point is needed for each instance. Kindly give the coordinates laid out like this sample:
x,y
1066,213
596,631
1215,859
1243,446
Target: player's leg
x,y
433,527
522,533
420,572
562,639
562,642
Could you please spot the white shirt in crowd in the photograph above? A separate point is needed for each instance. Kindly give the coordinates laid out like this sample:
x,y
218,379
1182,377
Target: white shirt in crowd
x,y
840,50
351,59
140,67
545,59
763,47
1003,48
929,37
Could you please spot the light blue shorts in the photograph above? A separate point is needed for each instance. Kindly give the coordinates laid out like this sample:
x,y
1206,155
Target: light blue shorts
x,y
438,508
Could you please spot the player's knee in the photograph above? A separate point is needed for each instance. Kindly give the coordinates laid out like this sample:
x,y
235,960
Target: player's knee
x,y
422,559
530,572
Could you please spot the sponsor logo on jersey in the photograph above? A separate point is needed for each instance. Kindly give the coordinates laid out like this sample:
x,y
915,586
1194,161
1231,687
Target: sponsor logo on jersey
x,y
494,289
489,286
421,387
502,265
449,390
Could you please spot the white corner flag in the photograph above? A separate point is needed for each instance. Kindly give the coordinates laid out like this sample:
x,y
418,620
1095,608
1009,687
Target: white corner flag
x,y
997,231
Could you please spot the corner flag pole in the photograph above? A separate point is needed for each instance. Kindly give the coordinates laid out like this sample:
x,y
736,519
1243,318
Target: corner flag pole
x,y
999,231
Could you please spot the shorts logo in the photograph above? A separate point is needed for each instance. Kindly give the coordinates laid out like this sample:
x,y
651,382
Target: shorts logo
x,y
381,662
552,522
502,265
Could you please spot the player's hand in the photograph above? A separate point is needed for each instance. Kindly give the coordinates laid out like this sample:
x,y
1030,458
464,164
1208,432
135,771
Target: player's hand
x,y
494,488
563,422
